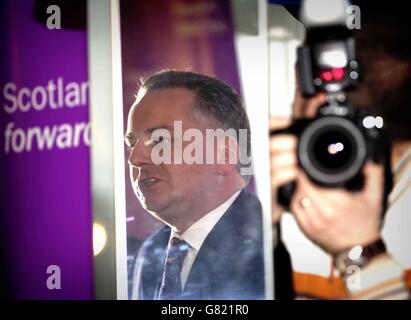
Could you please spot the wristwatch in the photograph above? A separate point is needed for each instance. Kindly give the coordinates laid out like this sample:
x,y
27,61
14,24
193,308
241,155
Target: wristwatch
x,y
358,256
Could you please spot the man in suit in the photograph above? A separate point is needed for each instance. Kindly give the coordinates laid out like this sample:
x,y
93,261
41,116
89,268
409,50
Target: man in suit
x,y
211,246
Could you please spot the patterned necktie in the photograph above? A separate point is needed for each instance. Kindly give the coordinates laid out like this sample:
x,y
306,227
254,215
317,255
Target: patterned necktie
x,y
171,288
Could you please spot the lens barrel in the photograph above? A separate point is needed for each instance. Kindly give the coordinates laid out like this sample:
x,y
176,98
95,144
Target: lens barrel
x,y
332,150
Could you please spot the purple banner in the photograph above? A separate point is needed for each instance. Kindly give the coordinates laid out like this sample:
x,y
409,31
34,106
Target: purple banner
x,y
46,223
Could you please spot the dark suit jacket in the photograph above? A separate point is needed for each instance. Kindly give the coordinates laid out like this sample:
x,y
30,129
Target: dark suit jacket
x,y
229,265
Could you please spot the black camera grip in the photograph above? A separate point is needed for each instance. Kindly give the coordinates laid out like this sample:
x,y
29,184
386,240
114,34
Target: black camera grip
x,y
285,194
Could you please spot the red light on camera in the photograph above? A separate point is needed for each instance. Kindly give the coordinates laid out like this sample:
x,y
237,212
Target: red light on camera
x,y
326,75
335,74
338,73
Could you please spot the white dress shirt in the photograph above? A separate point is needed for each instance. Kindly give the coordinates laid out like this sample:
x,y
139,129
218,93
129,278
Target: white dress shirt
x,y
197,233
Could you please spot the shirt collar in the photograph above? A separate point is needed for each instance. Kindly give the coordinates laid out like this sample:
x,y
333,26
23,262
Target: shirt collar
x,y
198,231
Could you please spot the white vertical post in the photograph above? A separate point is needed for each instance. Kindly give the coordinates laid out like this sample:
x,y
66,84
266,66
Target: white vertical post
x,y
252,56
107,153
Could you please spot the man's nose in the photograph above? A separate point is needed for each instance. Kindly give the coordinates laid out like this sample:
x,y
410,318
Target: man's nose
x,y
140,155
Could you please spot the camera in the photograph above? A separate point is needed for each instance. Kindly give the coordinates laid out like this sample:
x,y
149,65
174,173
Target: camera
x,y
334,145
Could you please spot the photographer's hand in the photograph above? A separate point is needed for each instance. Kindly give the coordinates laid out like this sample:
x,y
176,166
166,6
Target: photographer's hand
x,y
337,219
283,159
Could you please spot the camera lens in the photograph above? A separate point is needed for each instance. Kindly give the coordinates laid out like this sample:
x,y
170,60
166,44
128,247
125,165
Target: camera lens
x,y
331,150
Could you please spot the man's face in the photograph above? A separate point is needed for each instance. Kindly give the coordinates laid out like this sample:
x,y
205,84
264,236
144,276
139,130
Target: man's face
x,y
166,190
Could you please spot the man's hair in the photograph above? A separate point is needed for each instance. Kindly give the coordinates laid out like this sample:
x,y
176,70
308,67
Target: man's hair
x,y
383,46
213,98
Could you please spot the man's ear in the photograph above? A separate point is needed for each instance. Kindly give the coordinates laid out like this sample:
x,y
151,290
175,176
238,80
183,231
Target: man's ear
x,y
227,154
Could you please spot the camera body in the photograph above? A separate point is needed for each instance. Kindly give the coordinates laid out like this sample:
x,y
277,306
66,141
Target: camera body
x,y
334,145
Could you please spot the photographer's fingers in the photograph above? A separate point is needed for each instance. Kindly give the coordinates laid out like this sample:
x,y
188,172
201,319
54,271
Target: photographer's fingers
x,y
373,187
322,202
333,196
304,211
282,177
313,104
283,160
277,123
322,219
282,143
283,167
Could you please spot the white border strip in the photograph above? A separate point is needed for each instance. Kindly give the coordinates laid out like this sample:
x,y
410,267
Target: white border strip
x,y
107,153
252,58
119,161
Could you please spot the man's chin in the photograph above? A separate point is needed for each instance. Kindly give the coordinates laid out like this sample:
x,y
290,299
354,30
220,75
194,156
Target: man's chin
x,y
154,206
161,212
